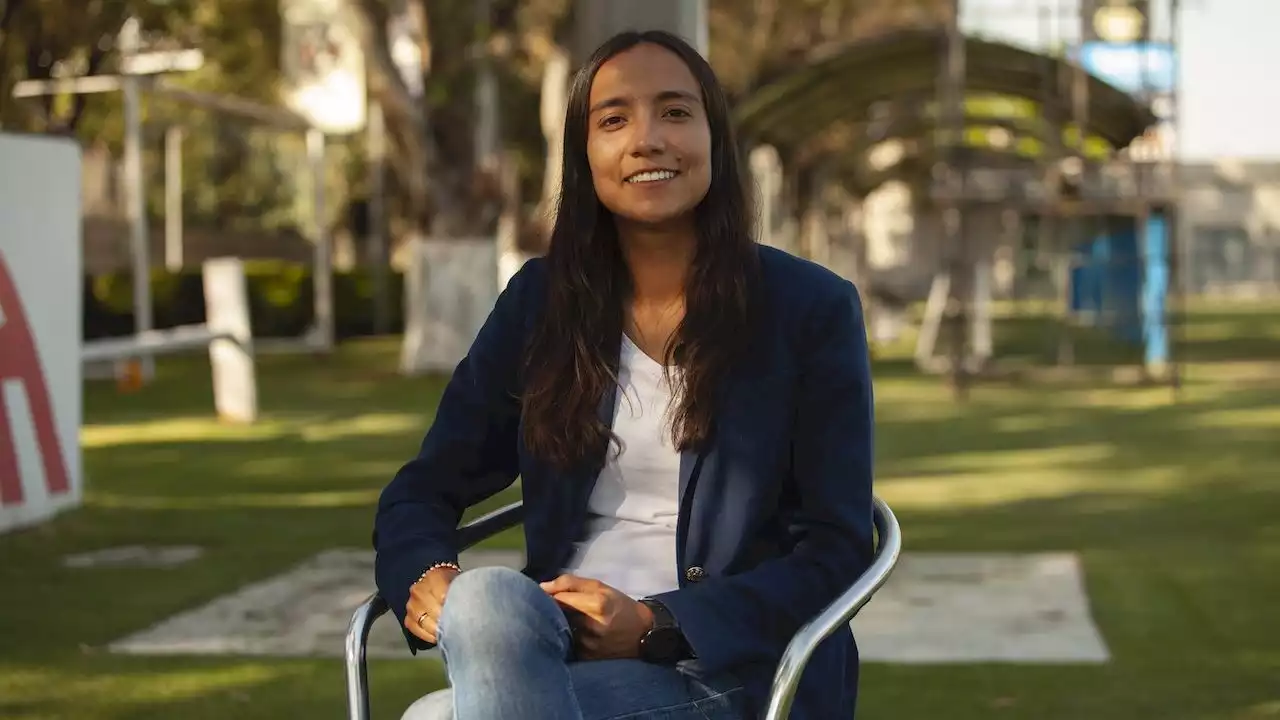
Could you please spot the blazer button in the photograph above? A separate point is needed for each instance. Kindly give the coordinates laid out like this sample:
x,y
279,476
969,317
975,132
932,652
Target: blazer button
x,y
695,574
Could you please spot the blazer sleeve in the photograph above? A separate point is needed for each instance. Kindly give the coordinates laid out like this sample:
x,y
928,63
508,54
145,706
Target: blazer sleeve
x,y
750,617
470,453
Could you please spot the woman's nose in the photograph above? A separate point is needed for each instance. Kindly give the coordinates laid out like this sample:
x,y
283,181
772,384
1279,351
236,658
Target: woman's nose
x,y
648,138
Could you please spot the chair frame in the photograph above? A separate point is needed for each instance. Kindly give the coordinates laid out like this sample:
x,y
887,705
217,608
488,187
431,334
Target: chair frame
x,y
785,680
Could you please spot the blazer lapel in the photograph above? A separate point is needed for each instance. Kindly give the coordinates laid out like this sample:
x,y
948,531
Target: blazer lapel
x,y
689,461
605,411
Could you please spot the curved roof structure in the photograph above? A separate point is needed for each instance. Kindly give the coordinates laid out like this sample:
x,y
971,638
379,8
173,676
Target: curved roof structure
x,y
845,84
915,159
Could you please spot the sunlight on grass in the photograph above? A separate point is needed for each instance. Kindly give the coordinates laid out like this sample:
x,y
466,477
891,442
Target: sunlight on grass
x,y
350,498
50,685
363,426
311,428
996,462
1270,709
1259,418
173,430
1030,421
987,489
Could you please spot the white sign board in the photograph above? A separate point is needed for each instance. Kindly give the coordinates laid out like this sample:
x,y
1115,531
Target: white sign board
x,y
40,305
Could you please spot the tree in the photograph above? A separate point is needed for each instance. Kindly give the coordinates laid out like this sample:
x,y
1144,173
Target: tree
x,y
447,189
41,38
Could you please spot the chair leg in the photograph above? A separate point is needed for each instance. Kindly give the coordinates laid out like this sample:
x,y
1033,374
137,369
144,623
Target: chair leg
x,y
357,667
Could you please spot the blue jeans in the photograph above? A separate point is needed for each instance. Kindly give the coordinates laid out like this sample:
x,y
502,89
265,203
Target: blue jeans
x,y
507,648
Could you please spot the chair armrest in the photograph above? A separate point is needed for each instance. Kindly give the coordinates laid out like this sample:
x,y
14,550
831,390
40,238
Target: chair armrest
x,y
840,612
490,524
357,670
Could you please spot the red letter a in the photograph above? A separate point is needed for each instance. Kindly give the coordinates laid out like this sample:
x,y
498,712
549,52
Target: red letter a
x,y
19,358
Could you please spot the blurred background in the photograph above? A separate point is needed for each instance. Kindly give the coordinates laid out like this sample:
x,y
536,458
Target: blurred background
x,y
243,243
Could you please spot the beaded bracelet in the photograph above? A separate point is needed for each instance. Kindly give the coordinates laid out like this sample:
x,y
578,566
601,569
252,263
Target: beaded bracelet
x,y
437,566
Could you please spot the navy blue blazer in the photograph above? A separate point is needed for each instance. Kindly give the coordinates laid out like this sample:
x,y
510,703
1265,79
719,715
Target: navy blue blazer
x,y
775,515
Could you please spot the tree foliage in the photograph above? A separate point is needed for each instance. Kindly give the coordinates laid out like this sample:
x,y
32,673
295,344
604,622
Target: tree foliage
x,y
756,39
438,182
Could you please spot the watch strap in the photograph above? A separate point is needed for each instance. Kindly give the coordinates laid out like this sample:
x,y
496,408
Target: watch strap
x,y
662,617
664,623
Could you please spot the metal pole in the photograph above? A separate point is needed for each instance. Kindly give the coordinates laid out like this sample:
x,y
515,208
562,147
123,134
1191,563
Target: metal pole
x,y
1079,118
323,269
486,93
1063,265
173,198
953,232
1177,238
130,40
1055,219
380,255
1142,234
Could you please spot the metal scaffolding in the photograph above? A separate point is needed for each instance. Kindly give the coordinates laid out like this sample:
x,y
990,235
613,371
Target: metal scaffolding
x,y
1062,183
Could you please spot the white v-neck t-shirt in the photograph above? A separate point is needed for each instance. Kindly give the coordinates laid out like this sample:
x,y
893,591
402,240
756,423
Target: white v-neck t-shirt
x,y
630,537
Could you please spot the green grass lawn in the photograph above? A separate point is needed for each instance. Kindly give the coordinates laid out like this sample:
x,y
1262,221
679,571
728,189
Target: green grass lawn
x,y
1174,508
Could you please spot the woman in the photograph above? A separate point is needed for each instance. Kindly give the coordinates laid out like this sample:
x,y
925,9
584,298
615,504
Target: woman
x,y
690,415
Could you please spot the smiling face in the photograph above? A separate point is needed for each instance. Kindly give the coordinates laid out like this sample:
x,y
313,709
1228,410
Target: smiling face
x,y
648,139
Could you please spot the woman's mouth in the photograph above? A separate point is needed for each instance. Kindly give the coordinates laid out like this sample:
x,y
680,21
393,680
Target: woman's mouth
x,y
651,176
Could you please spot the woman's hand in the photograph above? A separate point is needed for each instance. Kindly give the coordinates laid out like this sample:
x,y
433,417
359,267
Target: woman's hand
x,y
607,624
426,598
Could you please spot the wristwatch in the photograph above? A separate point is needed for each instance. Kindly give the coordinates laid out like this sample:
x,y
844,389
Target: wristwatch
x,y
664,643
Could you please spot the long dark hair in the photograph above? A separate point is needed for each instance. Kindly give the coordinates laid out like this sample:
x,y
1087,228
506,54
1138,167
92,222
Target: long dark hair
x,y
573,352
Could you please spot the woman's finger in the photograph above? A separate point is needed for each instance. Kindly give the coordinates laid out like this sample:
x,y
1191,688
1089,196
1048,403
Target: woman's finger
x,y
431,629
421,624
589,627
588,604
422,613
567,583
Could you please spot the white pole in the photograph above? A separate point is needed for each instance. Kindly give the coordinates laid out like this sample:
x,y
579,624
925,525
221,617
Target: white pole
x,y
980,337
129,42
173,198
323,270
235,386
379,243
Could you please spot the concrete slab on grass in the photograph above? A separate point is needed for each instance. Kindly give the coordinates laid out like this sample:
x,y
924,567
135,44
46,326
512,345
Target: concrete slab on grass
x,y
937,608
981,607
139,556
303,612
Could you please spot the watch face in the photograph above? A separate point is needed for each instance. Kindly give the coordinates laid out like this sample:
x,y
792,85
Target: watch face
x,y
660,644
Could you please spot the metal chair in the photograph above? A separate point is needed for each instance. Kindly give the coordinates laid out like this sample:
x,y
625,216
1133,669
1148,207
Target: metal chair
x,y
785,680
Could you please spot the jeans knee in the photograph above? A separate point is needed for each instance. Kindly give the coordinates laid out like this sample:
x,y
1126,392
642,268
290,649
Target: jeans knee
x,y
495,605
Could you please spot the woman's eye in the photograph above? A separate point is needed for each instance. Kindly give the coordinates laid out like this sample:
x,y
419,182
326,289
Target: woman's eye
x,y
678,112
610,121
